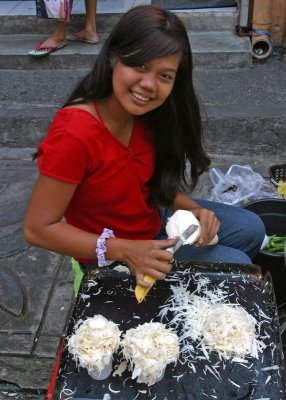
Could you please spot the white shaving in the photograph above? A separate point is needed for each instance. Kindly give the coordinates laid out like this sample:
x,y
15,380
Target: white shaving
x,y
273,367
121,268
227,329
149,348
94,342
119,369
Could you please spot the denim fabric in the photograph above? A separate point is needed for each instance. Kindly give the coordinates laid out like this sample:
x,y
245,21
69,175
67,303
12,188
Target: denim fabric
x,y
240,236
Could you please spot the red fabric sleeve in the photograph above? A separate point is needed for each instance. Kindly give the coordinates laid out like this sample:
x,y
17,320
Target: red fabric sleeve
x,y
62,156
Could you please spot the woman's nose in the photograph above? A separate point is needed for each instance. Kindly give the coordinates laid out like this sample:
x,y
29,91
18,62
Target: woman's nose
x,y
148,82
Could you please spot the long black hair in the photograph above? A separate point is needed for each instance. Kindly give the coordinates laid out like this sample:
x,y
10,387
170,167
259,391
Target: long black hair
x,y
142,34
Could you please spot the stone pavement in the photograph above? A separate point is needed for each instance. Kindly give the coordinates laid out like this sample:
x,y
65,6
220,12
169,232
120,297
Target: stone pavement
x,y
36,291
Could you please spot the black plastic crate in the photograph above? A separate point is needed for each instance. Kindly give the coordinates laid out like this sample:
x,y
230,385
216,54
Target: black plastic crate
x,y
277,173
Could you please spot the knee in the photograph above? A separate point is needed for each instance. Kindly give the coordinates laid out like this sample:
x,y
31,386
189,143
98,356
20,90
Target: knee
x,y
238,257
217,253
254,229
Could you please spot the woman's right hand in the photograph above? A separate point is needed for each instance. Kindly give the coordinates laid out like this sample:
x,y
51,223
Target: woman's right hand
x,y
149,257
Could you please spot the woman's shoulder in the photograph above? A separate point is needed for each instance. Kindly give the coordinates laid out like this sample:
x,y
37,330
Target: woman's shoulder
x,y
82,112
87,107
79,120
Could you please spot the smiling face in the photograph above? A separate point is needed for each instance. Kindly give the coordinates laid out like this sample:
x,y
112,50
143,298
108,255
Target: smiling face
x,y
138,90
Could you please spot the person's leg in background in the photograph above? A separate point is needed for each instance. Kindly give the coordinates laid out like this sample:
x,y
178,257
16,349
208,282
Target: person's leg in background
x,y
240,236
58,38
89,33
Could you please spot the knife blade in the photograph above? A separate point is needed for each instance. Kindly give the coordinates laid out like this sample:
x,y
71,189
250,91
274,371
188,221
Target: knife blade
x,y
185,235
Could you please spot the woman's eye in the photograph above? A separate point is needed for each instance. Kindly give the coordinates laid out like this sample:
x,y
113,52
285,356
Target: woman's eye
x,y
141,67
167,76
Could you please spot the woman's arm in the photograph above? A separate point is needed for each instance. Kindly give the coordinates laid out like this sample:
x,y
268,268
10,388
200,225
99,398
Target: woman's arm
x,y
43,224
208,221
44,227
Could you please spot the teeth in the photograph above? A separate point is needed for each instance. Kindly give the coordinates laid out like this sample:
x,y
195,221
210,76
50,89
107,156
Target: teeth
x,y
139,97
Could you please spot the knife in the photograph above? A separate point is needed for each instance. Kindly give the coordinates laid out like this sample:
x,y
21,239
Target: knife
x,y
141,292
185,235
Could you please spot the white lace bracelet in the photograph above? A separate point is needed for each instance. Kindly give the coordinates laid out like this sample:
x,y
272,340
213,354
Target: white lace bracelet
x,y
101,248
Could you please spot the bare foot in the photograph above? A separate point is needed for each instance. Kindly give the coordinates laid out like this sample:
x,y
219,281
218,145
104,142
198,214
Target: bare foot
x,y
48,46
85,36
53,42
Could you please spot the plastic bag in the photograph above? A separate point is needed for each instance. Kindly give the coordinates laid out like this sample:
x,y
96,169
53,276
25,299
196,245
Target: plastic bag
x,y
267,190
58,9
236,185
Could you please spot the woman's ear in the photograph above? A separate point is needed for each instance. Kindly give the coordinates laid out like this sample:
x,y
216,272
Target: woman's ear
x,y
112,61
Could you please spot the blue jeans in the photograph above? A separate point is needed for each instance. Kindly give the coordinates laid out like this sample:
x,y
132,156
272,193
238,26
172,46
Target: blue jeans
x,y
240,235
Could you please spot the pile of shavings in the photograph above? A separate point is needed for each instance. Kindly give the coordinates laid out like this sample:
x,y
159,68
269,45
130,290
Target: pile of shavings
x,y
94,342
149,348
230,331
207,322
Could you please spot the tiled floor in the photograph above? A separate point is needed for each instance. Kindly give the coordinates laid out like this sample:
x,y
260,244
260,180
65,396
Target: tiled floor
x,y
27,7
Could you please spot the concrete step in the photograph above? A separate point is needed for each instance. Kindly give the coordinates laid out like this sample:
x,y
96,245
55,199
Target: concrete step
x,y
212,34
229,129
195,20
210,49
243,109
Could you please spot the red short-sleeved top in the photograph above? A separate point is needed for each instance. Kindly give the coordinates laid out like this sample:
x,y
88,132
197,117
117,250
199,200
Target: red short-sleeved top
x,y
112,179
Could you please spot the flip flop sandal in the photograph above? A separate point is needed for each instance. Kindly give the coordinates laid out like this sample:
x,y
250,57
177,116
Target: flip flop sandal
x,y
42,51
76,38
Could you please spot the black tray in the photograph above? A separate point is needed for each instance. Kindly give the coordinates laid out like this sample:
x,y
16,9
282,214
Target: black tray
x,y
113,297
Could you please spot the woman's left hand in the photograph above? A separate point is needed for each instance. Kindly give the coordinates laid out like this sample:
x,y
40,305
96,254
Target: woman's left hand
x,y
209,224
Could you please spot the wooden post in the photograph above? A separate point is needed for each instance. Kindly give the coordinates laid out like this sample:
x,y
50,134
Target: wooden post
x,y
278,18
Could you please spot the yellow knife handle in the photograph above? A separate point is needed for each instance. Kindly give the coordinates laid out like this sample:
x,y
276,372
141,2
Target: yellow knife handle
x,y
140,291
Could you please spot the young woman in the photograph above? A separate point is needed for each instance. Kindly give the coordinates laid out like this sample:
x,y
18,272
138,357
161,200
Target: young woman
x,y
119,149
